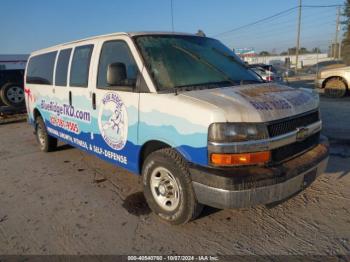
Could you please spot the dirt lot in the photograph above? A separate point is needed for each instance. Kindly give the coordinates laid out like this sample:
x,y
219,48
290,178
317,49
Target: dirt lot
x,y
51,204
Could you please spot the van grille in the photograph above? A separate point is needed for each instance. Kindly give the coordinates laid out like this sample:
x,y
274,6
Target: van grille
x,y
285,152
286,126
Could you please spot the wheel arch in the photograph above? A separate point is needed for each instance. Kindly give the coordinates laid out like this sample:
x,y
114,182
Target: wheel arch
x,y
335,76
36,113
148,148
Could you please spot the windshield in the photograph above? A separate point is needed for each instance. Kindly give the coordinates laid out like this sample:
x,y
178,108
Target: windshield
x,y
176,61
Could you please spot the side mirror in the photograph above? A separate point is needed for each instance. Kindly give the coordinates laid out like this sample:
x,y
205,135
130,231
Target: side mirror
x,y
116,74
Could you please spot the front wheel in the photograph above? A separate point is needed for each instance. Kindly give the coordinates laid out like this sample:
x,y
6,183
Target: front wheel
x,y
168,187
46,142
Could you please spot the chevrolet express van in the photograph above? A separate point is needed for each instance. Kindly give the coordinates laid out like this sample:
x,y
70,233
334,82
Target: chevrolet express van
x,y
184,112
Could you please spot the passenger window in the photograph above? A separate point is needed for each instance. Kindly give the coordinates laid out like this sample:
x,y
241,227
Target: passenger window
x,y
116,57
79,72
62,67
40,69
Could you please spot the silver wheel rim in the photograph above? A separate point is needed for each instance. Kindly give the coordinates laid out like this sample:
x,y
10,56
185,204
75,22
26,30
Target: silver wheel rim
x,y
15,94
41,136
165,189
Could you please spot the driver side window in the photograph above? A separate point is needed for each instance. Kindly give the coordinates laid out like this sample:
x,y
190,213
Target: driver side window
x,y
116,58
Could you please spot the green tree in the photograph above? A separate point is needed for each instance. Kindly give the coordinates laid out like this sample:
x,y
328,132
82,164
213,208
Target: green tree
x,y
346,41
264,53
316,50
303,50
292,51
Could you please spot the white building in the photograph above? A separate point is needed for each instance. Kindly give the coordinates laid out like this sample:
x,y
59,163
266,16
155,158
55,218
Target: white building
x,y
303,60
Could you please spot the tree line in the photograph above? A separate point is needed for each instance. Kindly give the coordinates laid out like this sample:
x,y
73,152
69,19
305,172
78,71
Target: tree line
x,y
345,48
292,51
345,51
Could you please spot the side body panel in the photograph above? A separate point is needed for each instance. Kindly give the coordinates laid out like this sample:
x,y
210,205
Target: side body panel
x,y
178,121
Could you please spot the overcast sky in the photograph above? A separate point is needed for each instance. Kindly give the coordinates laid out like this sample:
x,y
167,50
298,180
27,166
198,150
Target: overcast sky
x,y
28,25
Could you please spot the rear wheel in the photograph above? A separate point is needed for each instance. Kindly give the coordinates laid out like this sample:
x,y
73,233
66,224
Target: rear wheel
x,y
335,87
12,94
46,142
168,187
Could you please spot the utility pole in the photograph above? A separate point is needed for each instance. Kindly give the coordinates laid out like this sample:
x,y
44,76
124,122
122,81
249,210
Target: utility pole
x,y
172,15
298,40
317,49
336,48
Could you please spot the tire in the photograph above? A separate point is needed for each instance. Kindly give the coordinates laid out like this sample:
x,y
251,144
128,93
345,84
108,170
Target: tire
x,y
12,94
46,142
335,87
168,187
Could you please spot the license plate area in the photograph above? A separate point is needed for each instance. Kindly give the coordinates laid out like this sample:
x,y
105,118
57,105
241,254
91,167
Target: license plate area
x,y
309,177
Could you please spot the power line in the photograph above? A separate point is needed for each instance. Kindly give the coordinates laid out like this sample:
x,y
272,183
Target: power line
x,y
273,16
321,6
283,31
268,25
256,22
279,29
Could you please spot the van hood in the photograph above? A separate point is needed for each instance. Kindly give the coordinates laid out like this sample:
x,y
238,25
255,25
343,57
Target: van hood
x,y
258,102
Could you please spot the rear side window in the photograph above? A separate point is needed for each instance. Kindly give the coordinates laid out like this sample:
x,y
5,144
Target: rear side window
x,y
79,74
40,69
62,67
116,52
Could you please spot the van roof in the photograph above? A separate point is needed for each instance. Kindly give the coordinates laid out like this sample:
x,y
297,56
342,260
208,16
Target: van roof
x,y
131,34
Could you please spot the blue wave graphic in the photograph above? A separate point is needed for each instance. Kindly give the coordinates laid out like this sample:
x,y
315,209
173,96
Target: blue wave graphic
x,y
188,138
131,151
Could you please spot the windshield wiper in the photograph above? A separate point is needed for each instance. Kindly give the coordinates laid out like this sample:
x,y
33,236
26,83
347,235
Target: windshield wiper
x,y
208,85
205,62
251,82
201,86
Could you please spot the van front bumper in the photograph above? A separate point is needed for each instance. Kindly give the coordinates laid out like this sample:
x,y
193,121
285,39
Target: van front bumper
x,y
250,186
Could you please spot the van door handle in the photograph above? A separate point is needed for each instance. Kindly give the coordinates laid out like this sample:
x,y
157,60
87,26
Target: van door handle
x,y
93,101
70,98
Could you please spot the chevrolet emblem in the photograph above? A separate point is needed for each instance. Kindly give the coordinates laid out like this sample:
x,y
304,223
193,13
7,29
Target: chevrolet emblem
x,y
302,133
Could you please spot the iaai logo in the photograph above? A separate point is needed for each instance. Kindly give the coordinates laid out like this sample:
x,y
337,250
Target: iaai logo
x,y
113,121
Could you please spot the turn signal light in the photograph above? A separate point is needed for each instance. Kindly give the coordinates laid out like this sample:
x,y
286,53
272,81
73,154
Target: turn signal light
x,y
240,159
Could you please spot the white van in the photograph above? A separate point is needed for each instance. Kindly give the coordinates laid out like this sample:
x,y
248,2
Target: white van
x,y
184,112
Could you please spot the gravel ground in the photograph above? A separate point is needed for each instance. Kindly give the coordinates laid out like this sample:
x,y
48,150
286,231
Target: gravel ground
x,y
68,202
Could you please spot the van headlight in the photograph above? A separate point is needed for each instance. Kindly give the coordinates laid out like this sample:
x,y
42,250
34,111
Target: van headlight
x,y
236,132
